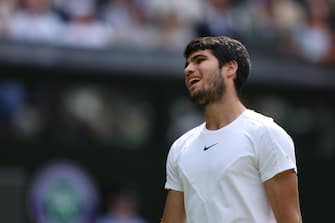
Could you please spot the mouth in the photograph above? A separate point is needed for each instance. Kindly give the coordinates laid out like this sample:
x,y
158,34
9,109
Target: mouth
x,y
193,81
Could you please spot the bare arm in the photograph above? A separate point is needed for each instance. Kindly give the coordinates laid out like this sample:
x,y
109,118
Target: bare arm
x,y
174,211
282,191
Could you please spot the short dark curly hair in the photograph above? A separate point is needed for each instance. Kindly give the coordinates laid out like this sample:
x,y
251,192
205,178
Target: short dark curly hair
x,y
225,49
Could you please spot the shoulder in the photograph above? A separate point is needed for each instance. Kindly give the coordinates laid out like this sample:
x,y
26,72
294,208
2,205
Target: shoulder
x,y
187,137
264,127
261,122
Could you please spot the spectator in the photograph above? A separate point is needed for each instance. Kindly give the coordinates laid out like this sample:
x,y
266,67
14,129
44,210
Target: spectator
x,y
330,57
264,30
281,25
83,29
193,14
287,16
313,39
7,8
128,19
173,24
218,19
122,14
12,100
121,207
35,21
172,31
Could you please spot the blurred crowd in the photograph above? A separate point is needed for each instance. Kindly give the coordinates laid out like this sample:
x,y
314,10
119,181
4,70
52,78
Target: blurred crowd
x,y
75,114
301,28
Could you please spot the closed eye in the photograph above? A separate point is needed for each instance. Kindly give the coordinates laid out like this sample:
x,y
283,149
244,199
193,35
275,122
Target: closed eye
x,y
196,59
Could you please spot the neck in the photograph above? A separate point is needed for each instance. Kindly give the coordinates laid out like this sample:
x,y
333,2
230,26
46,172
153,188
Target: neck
x,y
223,112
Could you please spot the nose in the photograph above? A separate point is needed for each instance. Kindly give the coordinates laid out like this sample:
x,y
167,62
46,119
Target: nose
x,y
189,69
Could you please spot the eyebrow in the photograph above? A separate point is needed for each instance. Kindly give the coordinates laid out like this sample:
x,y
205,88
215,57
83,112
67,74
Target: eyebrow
x,y
193,58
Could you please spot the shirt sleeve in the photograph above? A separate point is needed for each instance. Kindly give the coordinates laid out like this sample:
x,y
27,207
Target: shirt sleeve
x,y
172,177
276,152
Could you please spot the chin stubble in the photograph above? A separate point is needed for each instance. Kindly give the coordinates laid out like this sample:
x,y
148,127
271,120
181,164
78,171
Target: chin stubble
x,y
212,92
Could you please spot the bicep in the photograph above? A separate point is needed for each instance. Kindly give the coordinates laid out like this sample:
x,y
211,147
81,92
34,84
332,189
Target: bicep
x,y
282,191
174,211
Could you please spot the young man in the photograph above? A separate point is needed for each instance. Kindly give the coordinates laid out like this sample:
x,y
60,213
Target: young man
x,y
238,166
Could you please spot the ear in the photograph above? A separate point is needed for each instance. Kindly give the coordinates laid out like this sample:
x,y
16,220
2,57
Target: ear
x,y
231,69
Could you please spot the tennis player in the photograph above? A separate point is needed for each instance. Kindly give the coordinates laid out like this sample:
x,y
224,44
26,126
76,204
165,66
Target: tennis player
x,y
238,166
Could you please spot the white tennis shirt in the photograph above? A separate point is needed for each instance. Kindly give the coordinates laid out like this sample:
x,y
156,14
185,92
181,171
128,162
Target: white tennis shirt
x,y
221,172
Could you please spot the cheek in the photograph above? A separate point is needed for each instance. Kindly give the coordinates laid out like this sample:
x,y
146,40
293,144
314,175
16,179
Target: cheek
x,y
212,75
215,80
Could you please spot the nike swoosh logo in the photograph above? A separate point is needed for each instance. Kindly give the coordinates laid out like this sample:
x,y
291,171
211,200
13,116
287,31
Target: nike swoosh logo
x,y
208,147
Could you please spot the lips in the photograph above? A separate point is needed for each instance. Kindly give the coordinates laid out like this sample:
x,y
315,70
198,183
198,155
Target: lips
x,y
193,80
